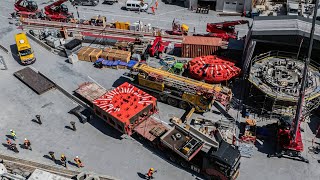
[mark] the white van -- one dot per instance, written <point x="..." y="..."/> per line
<point x="136" y="6"/>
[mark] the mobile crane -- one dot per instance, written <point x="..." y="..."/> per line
<point x="58" y="11"/>
<point x="289" y="131"/>
<point x="224" y="30"/>
<point x="179" y="91"/>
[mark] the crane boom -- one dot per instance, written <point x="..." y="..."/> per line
<point x="304" y="77"/>
<point x="186" y="85"/>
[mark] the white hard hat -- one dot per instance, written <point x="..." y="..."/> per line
<point x="25" y="139"/>
<point x="10" y="129"/>
<point x="77" y="156"/>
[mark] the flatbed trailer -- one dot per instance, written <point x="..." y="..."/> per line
<point x="180" y="145"/>
<point x="187" y="149"/>
<point x="36" y="81"/>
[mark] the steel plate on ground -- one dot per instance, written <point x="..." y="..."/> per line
<point x="34" y="80"/>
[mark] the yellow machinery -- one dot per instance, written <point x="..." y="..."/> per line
<point x="98" y="21"/>
<point x="180" y="91"/>
<point x="184" y="28"/>
<point x="122" y="25"/>
<point x="25" y="51"/>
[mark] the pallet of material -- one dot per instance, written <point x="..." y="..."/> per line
<point x="86" y="55"/>
<point x="115" y="64"/>
<point x="94" y="56"/>
<point x="81" y="52"/>
<point x="34" y="80"/>
<point x="122" y="65"/>
<point x="104" y="55"/>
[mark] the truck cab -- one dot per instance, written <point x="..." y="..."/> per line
<point x="25" y="51"/>
<point x="222" y="163"/>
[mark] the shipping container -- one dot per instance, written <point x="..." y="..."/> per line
<point x="195" y="46"/>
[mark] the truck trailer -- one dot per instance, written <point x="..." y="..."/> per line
<point x="131" y="111"/>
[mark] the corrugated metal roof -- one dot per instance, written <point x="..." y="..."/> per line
<point x="284" y="25"/>
<point x="210" y="41"/>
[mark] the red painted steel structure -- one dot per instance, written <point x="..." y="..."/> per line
<point x="224" y="27"/>
<point x="57" y="11"/>
<point x="157" y="47"/>
<point x="125" y="107"/>
<point x="26" y="8"/>
<point x="212" y="69"/>
<point x="224" y="30"/>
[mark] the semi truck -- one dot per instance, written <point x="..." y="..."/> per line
<point x="177" y="90"/>
<point x="131" y="111"/>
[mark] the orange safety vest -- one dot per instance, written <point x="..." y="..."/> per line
<point x="78" y="161"/>
<point x="150" y="172"/>
<point x="27" y="142"/>
<point x="8" y="142"/>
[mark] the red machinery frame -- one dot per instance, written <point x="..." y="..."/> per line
<point x="54" y="11"/>
<point x="157" y="47"/>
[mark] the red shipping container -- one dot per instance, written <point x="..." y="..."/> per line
<point x="195" y="46"/>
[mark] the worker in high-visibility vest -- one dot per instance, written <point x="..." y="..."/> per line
<point x="153" y="11"/>
<point x="150" y="173"/>
<point x="13" y="134"/>
<point x="27" y="144"/>
<point x="8" y="142"/>
<point x="63" y="160"/>
<point x="157" y="4"/>
<point x="78" y="162"/>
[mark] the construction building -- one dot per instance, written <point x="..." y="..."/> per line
<point x="289" y="36"/>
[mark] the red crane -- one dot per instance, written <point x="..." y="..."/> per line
<point x="27" y="8"/>
<point x="289" y="131"/>
<point x="224" y="30"/>
<point x="58" y="11"/>
<point x="157" y="47"/>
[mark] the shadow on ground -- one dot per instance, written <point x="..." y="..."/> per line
<point x="14" y="53"/>
<point x="120" y="81"/>
<point x="314" y="124"/>
<point x="106" y="129"/>
<point x="142" y="176"/>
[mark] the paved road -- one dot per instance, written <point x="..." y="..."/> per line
<point x="101" y="148"/>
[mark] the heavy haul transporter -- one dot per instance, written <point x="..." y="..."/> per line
<point x="130" y="111"/>
<point x="177" y="90"/>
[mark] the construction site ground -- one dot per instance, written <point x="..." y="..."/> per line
<point x="102" y="149"/>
